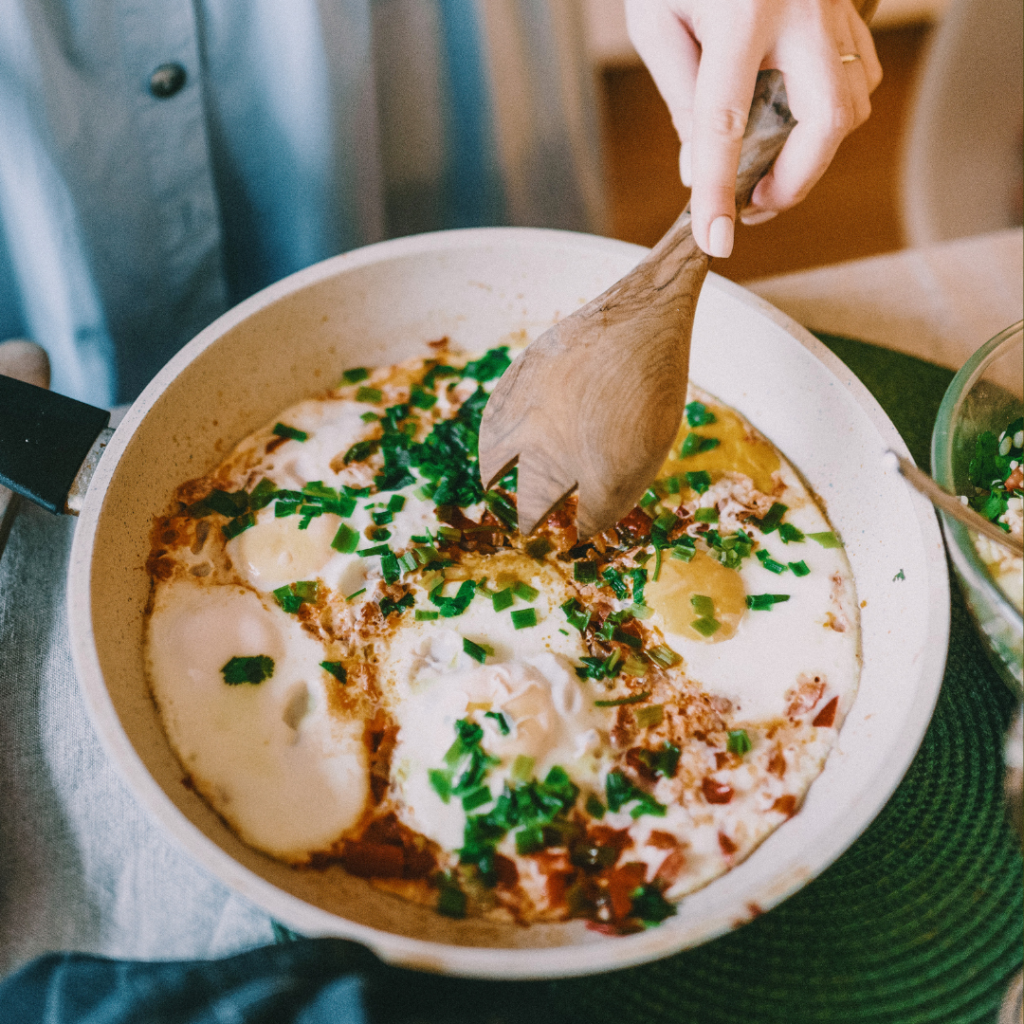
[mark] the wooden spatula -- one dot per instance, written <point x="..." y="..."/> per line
<point x="595" y="402"/>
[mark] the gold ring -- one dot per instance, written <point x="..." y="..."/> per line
<point x="849" y="58"/>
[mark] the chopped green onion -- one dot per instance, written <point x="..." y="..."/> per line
<point x="377" y="549"/>
<point x="698" y="414"/>
<point x="356" y="492"/>
<point x="788" y="533"/>
<point x="355" y="375"/>
<point x="355" y="593"/>
<point x="636" y="698"/>
<point x="396" y="502"/>
<point x="236" y="526"/>
<point x="365" y="394"/>
<point x="262" y="494"/>
<point x="420" y="398"/>
<point x="291" y="433"/>
<point x="388" y="605"/>
<point x="408" y="562"/>
<point x="769" y="563"/>
<point x="827" y="539"/>
<point x="616" y="582"/>
<point x="799" y="568"/>
<point x="706" y="515"/>
<point x="248" y="670"/>
<point x="594" y="807"/>
<point x="772" y="518"/>
<point x="585" y="572"/>
<point x="664" y="656"/>
<point x="578" y="618"/>
<point x="704" y="606"/>
<point x="502" y="508"/>
<point x="634" y="666"/>
<point x="640" y="611"/>
<point x="501" y="721"/>
<point x="476" y="799"/>
<point x="451" y="900"/>
<point x="706" y="627"/>
<point x="653" y="714"/>
<point x="538" y="547"/>
<point x="423" y="615"/>
<point x="648" y="903"/>
<point x="449" y="533"/>
<point x="369" y="417"/>
<point x="337" y="669"/>
<point x="475" y="651"/>
<point x="361" y="450"/>
<point x="283" y="509"/>
<point x="671" y="484"/>
<point x="383" y="517"/>
<point x="699" y="481"/>
<point x="346" y="540"/>
<point x="764" y="602"/>
<point x="502" y="599"/>
<point x="649" y="498"/>
<point x="441" y="781"/>
<point x="524" y="591"/>
<point x="389" y="567"/>
<point x="695" y="444"/>
<point x="523" y="618"/>
<point x="739" y="742"/>
<point x="522" y="768"/>
<point x="684" y="552"/>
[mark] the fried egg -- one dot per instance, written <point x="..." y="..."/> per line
<point x="356" y="656"/>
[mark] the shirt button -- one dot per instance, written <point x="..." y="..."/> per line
<point x="166" y="80"/>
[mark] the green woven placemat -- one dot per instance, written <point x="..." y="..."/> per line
<point x="919" y="922"/>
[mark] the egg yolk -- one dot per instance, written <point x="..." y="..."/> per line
<point x="737" y="451"/>
<point x="669" y="595"/>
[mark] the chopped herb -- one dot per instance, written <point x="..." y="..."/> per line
<point x="731" y="549"/>
<point x="827" y="539"/>
<point x="377" y="549"/>
<point x="356" y="492"/>
<point x="293" y="596"/>
<point x="634" y="666"/>
<point x="699" y="481"/>
<point x="585" y="572"/>
<point x="236" y="526"/>
<point x="383" y="517"/>
<point x="500" y="720"/>
<point x="684" y="549"/>
<point x="451" y="900"/>
<point x="619" y="792"/>
<point x="616" y="582"/>
<point x="650" y="497"/>
<point x="441" y="782"/>
<point x="337" y="669"/>
<point x="639" y="578"/>
<point x="420" y="398"/>
<point x="227" y="504"/>
<point x="636" y="698"/>
<point x="706" y="627"/>
<point x="361" y="450"/>
<point x="524" y="591"/>
<point x="538" y="547"/>
<point x="479" y="797"/>
<point x="594" y="807"/>
<point x="388" y="605"/>
<point x="664" y="761"/>
<point x="653" y="714"/>
<point x="695" y="444"/>
<point x="771" y="520"/>
<point x="706" y="515"/>
<point x="769" y="563"/>
<point x="430" y="378"/>
<point x="502" y="599"/>
<point x="346" y="540"/>
<point x="704" y="606"/>
<point x="522" y="768"/>
<point x="698" y="414"/>
<point x="764" y="602"/>
<point x="788" y="533"/>
<point x="367" y="394"/>
<point x="664" y="656"/>
<point x="600" y="668"/>
<point x="578" y="618"/>
<point x="523" y="618"/>
<point x="355" y="375"/>
<point x="248" y="670"/>
<point x="800" y="568"/>
<point x="640" y="611"/>
<point x="489" y="366"/>
<point x="291" y="433"/>
<point x="502" y="508"/>
<point x="649" y="904"/>
<point x="425" y="616"/>
<point x="282" y="509"/>
<point x="739" y="742"/>
<point x="475" y="651"/>
<point x="262" y="495"/>
<point x="671" y="484"/>
<point x="450" y="607"/>
<point x="369" y="417"/>
<point x="355" y="593"/>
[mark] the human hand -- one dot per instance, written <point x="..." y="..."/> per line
<point x="704" y="56"/>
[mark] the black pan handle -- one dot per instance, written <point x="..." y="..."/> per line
<point x="44" y="439"/>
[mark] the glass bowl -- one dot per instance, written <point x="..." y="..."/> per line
<point x="985" y="395"/>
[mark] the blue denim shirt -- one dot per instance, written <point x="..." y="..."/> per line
<point x="132" y="216"/>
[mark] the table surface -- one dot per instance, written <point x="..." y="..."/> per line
<point x="82" y="868"/>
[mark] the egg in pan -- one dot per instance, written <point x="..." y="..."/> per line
<point x="358" y="658"/>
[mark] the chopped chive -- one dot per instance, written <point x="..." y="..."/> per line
<point x="236" y="526"/>
<point x="355" y="375"/>
<point x="502" y="508"/>
<point x="649" y="498"/>
<point x="772" y="518"/>
<point x="683" y="551"/>
<point x="285" y="508"/>
<point x="799" y="568"/>
<point x="666" y="521"/>
<point x="449" y="533"/>
<point x="355" y="593"/>
<point x="383" y="517"/>
<point x="699" y="481"/>
<point x="361" y="450"/>
<point x="365" y="394"/>
<point x="356" y="492"/>
<point x="523" y="618"/>
<point x="291" y="433"/>
<point x="262" y="494"/>
<point x="525" y="591"/>
<point x="475" y="651"/>
<point x="788" y="533"/>
<point x="769" y="563"/>
<point x="476" y="799"/>
<point x="671" y="484"/>
<point x="664" y="656"/>
<point x="369" y="417"/>
<point x="827" y="539"/>
<point x="441" y="782"/>
<point x="426" y="616"/>
<point x="585" y="572"/>
<point x="594" y="807"/>
<point x="634" y="666"/>
<point x="500" y="720"/>
<point x="636" y="698"/>
<point x="248" y="670"/>
<point x="451" y="900"/>
<point x="706" y="627"/>
<point x="695" y="444"/>
<point x="396" y="502"/>
<point x="502" y="599"/>
<point x="640" y="611"/>
<point x="337" y="669"/>
<point x="377" y="549"/>
<point x="538" y="547"/>
<point x="706" y="515"/>
<point x="704" y="606"/>
<point x="653" y="714"/>
<point x="522" y="768"/>
<point x="739" y="742"/>
<point x="578" y="618"/>
<point x="408" y="562"/>
<point x="346" y="540"/>
<point x="389" y="567"/>
<point x="420" y="398"/>
<point x="698" y="414"/>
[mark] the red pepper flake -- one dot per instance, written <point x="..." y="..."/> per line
<point x="716" y="792"/>
<point x="827" y="715"/>
<point x="621" y="883"/>
<point x="726" y="845"/>
<point x="785" y="805"/>
<point x="373" y="860"/>
<point x="662" y="840"/>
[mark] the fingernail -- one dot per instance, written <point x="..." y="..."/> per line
<point x="720" y="237"/>
<point x="685" y="165"/>
<point x="757" y="217"/>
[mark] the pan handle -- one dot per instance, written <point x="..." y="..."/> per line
<point x="44" y="440"/>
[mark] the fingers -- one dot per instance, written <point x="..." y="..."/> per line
<point x="864" y="44"/>
<point x="728" y="70"/>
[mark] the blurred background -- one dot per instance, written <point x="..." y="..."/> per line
<point x="939" y="158"/>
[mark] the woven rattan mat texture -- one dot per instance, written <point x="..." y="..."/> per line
<point x="919" y="922"/>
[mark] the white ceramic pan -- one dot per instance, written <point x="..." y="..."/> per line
<point x="482" y="287"/>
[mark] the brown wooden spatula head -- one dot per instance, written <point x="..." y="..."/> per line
<point x="595" y="402"/>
